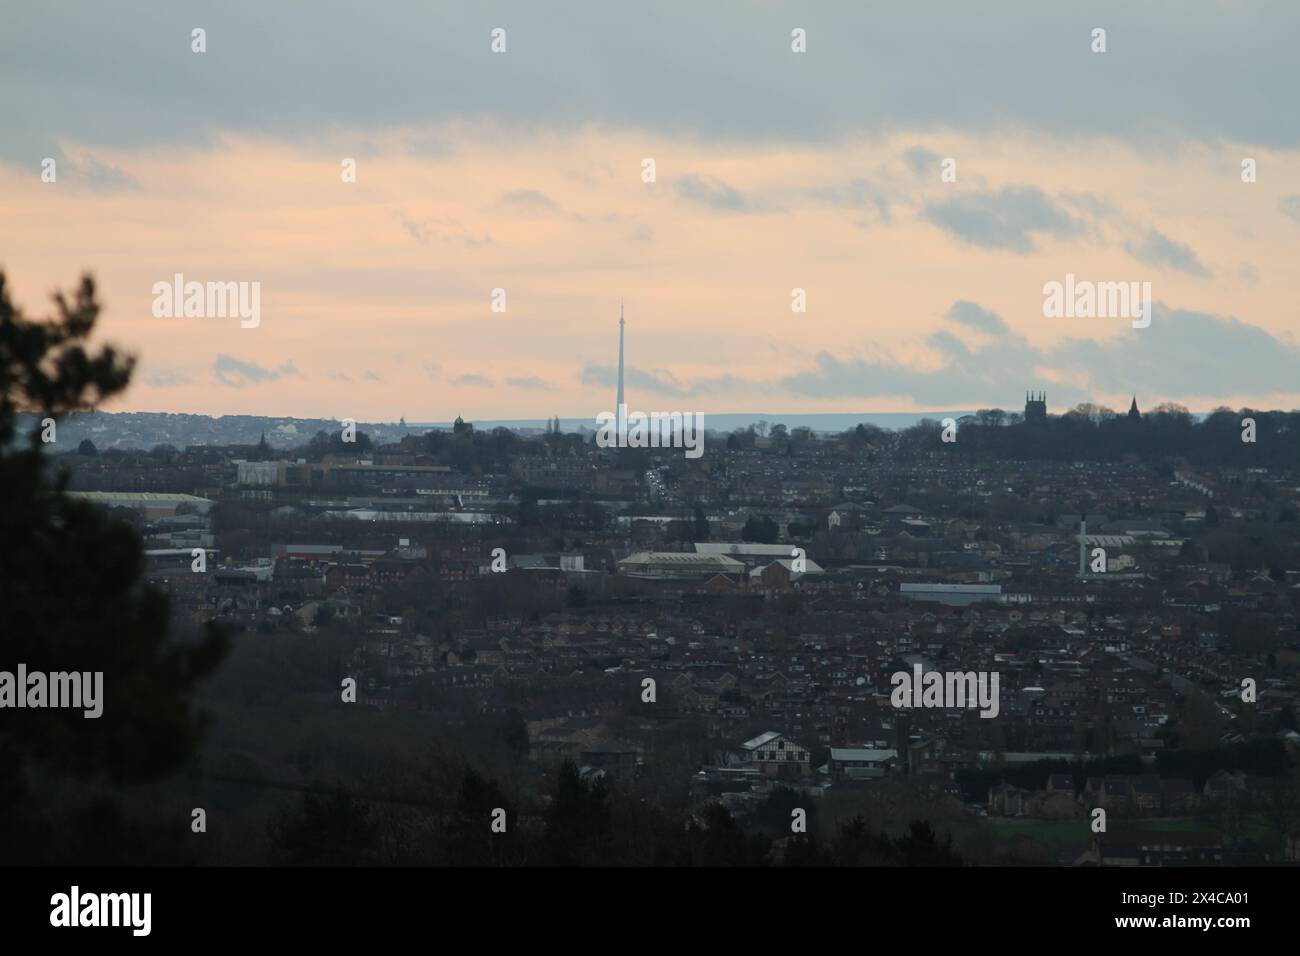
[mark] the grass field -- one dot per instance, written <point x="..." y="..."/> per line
<point x="1074" y="835"/>
<point x="1059" y="835"/>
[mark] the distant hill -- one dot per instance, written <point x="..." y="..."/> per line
<point x="145" y="430"/>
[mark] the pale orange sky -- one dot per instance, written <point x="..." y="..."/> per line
<point x="375" y="296"/>
<point x="393" y="275"/>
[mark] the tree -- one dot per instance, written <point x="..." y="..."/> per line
<point x="921" y="848"/>
<point x="701" y="524"/>
<point x="760" y="530"/>
<point x="331" y="443"/>
<point x="1200" y="722"/>
<point x="528" y="513"/>
<point x="72" y="588"/>
<point x="721" y="842"/>
<point x="331" y="828"/>
<point x="514" y="734"/>
<point x="471" y="840"/>
<point x="87" y="448"/>
<point x="578" y="821"/>
<point x="775" y="812"/>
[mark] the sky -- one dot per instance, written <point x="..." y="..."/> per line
<point x="774" y="171"/>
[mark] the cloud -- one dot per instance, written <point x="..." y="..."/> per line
<point x="530" y="382"/>
<point x="424" y="229"/>
<point x="530" y="199"/>
<point x="922" y="162"/>
<point x="861" y="194"/>
<point x="1157" y="249"/>
<point x="982" y="320"/>
<point x="428" y="146"/>
<point x="235" y="373"/>
<point x="1093" y="205"/>
<point x="340" y="377"/>
<point x="660" y="382"/>
<point x="1183" y="354"/>
<point x="167" y="378"/>
<point x="417" y="229"/>
<point x="372" y="376"/>
<point x="103" y="177"/>
<point x="869" y="70"/>
<point x="1290" y="206"/>
<point x="472" y="380"/>
<point x="713" y="192"/>
<point x="1005" y="219"/>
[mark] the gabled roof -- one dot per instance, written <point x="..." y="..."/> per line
<point x="760" y="740"/>
<point x="862" y="754"/>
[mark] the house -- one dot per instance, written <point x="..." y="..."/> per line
<point x="1129" y="846"/>
<point x="670" y="565"/>
<point x="1220" y="787"/>
<point x="615" y="761"/>
<point x="1116" y="791"/>
<point x="1146" y="793"/>
<point x="1055" y="804"/>
<point x="775" y="755"/>
<point x="1008" y="801"/>
<point x="853" y="763"/>
<point x="781" y="574"/>
<point x="1180" y="796"/>
<point x="1060" y="783"/>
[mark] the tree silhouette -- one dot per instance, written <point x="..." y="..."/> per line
<point x="72" y="590"/>
<point x="330" y="828"/>
<point x="701" y="524"/>
<point x="578" y="822"/>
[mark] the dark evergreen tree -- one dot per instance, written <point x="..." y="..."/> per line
<point x="72" y="597"/>
<point x="330" y="828"/>
<point x="701" y="524"/>
<point x="578" y="822"/>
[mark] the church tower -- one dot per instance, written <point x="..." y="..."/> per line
<point x="1133" y="412"/>
<point x="1035" y="407"/>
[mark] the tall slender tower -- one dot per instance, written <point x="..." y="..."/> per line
<point x="618" y="408"/>
<point x="1083" y="545"/>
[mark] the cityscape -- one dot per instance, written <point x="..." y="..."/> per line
<point x="442" y="443"/>
<point x="723" y="634"/>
